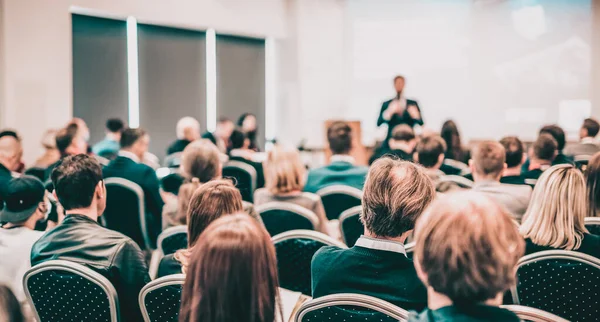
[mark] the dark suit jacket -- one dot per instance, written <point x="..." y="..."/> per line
<point x="5" y="177"/>
<point x="400" y="154"/>
<point x="177" y="146"/>
<point x="145" y="177"/>
<point x="342" y="173"/>
<point x="210" y="136"/>
<point x="260" y="175"/>
<point x="396" y="119"/>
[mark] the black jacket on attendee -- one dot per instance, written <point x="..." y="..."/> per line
<point x="82" y="240"/>
<point x="400" y="154"/>
<point x="168" y="266"/>
<point x="396" y="119"/>
<point x="469" y="313"/>
<point x="177" y="146"/>
<point x="590" y="244"/>
<point x="210" y="136"/>
<point x="560" y="159"/>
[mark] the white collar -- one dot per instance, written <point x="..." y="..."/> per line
<point x="342" y="158"/>
<point x="129" y="155"/>
<point x="588" y="140"/>
<point x="381" y="244"/>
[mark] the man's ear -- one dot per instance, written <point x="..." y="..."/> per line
<point x="505" y="166"/>
<point x="100" y="190"/>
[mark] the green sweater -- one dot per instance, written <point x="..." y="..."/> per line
<point x="387" y="275"/>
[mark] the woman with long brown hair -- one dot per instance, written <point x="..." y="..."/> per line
<point x="592" y="177"/>
<point x="232" y="275"/>
<point x="454" y="148"/>
<point x="209" y="202"/>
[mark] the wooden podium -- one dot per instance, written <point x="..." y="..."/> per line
<point x="359" y="152"/>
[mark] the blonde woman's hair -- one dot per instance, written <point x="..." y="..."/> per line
<point x="558" y="206"/>
<point x="284" y="171"/>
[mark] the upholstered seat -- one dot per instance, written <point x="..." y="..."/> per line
<point x="339" y="198"/>
<point x="279" y="217"/>
<point x="245" y="176"/>
<point x="350" y="225"/>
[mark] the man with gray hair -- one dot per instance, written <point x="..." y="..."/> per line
<point x="188" y="130"/>
<point x="395" y="194"/>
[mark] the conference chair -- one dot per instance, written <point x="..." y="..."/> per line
<point x="279" y="217"/>
<point x="60" y="290"/>
<point x="245" y="178"/>
<point x="160" y="299"/>
<point x="453" y="167"/>
<point x="295" y="250"/>
<point x="350" y="225"/>
<point x="125" y="211"/>
<point x="349" y="307"/>
<point x="172" y="239"/>
<point x="593" y="225"/>
<point x="339" y="198"/>
<point x="173" y="160"/>
<point x="564" y="283"/>
<point x="581" y="161"/>
<point x="529" y="314"/>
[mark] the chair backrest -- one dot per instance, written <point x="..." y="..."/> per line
<point x="529" y="314"/>
<point x="173" y="160"/>
<point x="245" y="175"/>
<point x="160" y="299"/>
<point x="462" y="182"/>
<point x="37" y="172"/>
<point x="564" y="283"/>
<point x="60" y="290"/>
<point x="350" y="225"/>
<point x="349" y="307"/>
<point x="295" y="250"/>
<point x="125" y="211"/>
<point x="172" y="239"/>
<point x="339" y="198"/>
<point x="279" y="217"/>
<point x="593" y="225"/>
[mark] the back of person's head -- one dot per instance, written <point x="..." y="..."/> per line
<point x="184" y="196"/>
<point x="557" y="209"/>
<point x="545" y="148"/>
<point x="284" y="171"/>
<point x="238" y="139"/>
<point x="49" y="139"/>
<point x="200" y="159"/>
<point x="11" y="152"/>
<point x="488" y="160"/>
<point x="395" y="194"/>
<point x="514" y="151"/>
<point x="70" y="141"/>
<point x="451" y="137"/>
<point x="225" y="127"/>
<point x="590" y="128"/>
<point x="430" y="151"/>
<point x="77" y="180"/>
<point x="403" y="133"/>
<point x="467" y="248"/>
<point x="557" y="133"/>
<point x="115" y="125"/>
<point x="131" y="136"/>
<point x="339" y="136"/>
<point x="232" y="274"/>
<point x="10" y="308"/>
<point x="592" y="175"/>
<point x="188" y="128"/>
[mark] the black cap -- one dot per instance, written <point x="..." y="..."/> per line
<point x="21" y="198"/>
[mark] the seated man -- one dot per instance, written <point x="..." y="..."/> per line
<point x="487" y="165"/>
<point x="395" y="195"/>
<point x="24" y="206"/>
<point x="541" y="156"/>
<point x="188" y="130"/>
<point x="515" y="157"/>
<point x="70" y="140"/>
<point x="109" y="147"/>
<point x="467" y="249"/>
<point x="588" y="144"/>
<point x="11" y="152"/>
<point x="341" y="170"/>
<point x="240" y="151"/>
<point x="430" y="153"/>
<point x="79" y="238"/>
<point x="220" y="137"/>
<point x="127" y="165"/>
<point x="402" y="143"/>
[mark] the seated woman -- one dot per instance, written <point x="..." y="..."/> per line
<point x="467" y="249"/>
<point x="175" y="213"/>
<point x="285" y="176"/>
<point x="208" y="202"/>
<point x="232" y="275"/>
<point x="592" y="176"/>
<point x="555" y="217"/>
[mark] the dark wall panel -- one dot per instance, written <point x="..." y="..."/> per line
<point x="99" y="71"/>
<point x="241" y="79"/>
<point x="172" y="80"/>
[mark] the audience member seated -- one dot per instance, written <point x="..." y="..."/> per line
<point x="541" y="156"/>
<point x="24" y="206"/>
<point x="109" y="147"/>
<point x="454" y="148"/>
<point x="588" y="144"/>
<point x="51" y="153"/>
<point x="188" y="130"/>
<point x="208" y="203"/>
<point x="487" y="166"/>
<point x="220" y="137"/>
<point x="11" y="152"/>
<point x="467" y="249"/>
<point x="241" y="151"/>
<point x="232" y="274"/>
<point x="70" y="140"/>
<point x="341" y="170"/>
<point x="284" y="180"/>
<point x="248" y="124"/>
<point x="555" y="217"/>
<point x="592" y="175"/>
<point x="134" y="144"/>
<point x="402" y="144"/>
<point x="515" y="157"/>
<point x="10" y="308"/>
<point x="430" y="154"/>
<point x="79" y="238"/>
<point x="175" y="213"/>
<point x="395" y="195"/>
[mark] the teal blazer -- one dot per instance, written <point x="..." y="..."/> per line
<point x="337" y="173"/>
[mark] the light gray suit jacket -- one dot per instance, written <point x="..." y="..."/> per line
<point x="581" y="149"/>
<point x="514" y="198"/>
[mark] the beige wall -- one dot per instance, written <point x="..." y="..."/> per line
<point x="595" y="86"/>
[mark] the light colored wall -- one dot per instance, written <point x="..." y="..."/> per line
<point x="595" y="92"/>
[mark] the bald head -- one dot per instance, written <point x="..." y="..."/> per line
<point x="188" y="128"/>
<point x="10" y="152"/>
